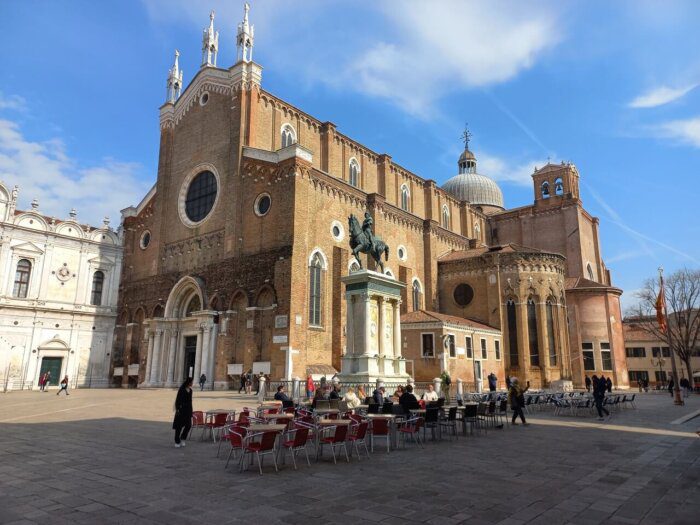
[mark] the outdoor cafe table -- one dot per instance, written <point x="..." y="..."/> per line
<point x="277" y="416"/>
<point x="325" y="423"/>
<point x="258" y="427"/>
<point x="392" y="426"/>
<point x="209" y="415"/>
<point x="326" y="412"/>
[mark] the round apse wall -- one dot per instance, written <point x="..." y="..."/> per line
<point x="463" y="294"/>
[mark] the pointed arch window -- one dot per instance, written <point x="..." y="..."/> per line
<point x="445" y="217"/>
<point x="405" y="198"/>
<point x="22" y="275"/>
<point x="289" y="136"/>
<point x="558" y="186"/>
<point x="98" y="281"/>
<point x="550" y="334"/>
<point x="477" y="231"/>
<point x="512" y="334"/>
<point x="589" y="270"/>
<point x="315" y="290"/>
<point x="195" y="305"/>
<point x="545" y="190"/>
<point x="532" y="333"/>
<point x="354" y="177"/>
<point x="416" y="295"/>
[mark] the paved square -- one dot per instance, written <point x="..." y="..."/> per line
<point x="107" y="456"/>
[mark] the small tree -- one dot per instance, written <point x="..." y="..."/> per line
<point x="682" y="291"/>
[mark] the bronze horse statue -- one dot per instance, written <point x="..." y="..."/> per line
<point x="360" y="243"/>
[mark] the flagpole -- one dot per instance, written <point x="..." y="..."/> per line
<point x="677" y="400"/>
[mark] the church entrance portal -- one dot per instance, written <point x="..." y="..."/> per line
<point x="53" y="365"/>
<point x="190" y="354"/>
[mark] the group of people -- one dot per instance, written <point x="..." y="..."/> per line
<point x="607" y="383"/>
<point x="248" y="380"/>
<point x="600" y="386"/>
<point x="45" y="381"/>
<point x="684" y="384"/>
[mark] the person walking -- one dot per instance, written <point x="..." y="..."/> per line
<point x="609" y="385"/>
<point x="493" y="381"/>
<point x="588" y="384"/>
<point x="599" y="388"/>
<point x="64" y="386"/>
<point x="507" y="382"/>
<point x="685" y="386"/>
<point x="516" y="396"/>
<point x="42" y="382"/>
<point x="202" y="380"/>
<point x="249" y="382"/>
<point x="242" y="383"/>
<point x="671" y="384"/>
<point x="182" y="422"/>
<point x="47" y="381"/>
<point x="310" y="387"/>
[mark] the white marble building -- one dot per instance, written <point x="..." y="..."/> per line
<point x="58" y="296"/>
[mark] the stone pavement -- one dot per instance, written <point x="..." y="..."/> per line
<point x="106" y="456"/>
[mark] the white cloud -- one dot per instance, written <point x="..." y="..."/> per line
<point x="686" y="131"/>
<point x="12" y="102"/>
<point x="43" y="170"/>
<point x="502" y="171"/>
<point x="660" y="96"/>
<point x="411" y="53"/>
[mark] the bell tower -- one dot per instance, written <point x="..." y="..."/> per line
<point x="210" y="43"/>
<point x="555" y="182"/>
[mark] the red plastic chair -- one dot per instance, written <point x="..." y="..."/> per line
<point x="356" y="419"/>
<point x="235" y="434"/>
<point x="380" y="428"/>
<point x="338" y="439"/>
<point x="422" y="403"/>
<point x="244" y="418"/>
<point x="198" y="422"/>
<point x="266" y="446"/>
<point x="412" y="428"/>
<point x="301" y="438"/>
<point x="357" y="438"/>
<point x="271" y="411"/>
<point x="216" y="425"/>
<point x="289" y="410"/>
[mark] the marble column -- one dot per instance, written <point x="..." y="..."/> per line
<point x="149" y="358"/>
<point x="173" y="357"/>
<point x="155" y="365"/>
<point x="198" y="355"/>
<point x="213" y="335"/>
<point x="397" y="328"/>
<point x="368" y="324"/>
<point x="350" y="327"/>
<point x="381" y="347"/>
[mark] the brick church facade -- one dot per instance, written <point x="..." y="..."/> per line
<point x="233" y="260"/>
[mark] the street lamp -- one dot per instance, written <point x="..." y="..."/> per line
<point x="660" y="361"/>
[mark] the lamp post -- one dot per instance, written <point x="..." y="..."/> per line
<point x="660" y="361"/>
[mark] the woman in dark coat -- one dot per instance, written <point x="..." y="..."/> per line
<point x="183" y="413"/>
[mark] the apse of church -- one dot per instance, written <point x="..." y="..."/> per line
<point x="234" y="259"/>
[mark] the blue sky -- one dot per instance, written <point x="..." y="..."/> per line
<point x="612" y="87"/>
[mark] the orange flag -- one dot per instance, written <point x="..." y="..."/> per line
<point x="660" y="307"/>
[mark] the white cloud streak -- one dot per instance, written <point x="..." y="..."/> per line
<point x="660" y="96"/>
<point x="685" y="131"/>
<point x="14" y="102"/>
<point x="43" y="170"/>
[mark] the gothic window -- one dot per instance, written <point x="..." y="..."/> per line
<point x="484" y="350"/>
<point x="512" y="334"/>
<point x="532" y="333"/>
<point x="315" y="275"/>
<point x="416" y="295"/>
<point x="201" y="196"/>
<point x="24" y="271"/>
<point x="470" y="349"/>
<point x="477" y="231"/>
<point x="194" y="305"/>
<point x="445" y="217"/>
<point x="589" y="269"/>
<point x="405" y="196"/>
<point x="289" y="137"/>
<point x="450" y="343"/>
<point x="354" y="178"/>
<point x="558" y="186"/>
<point x="550" y="335"/>
<point x="497" y="349"/>
<point x="545" y="190"/>
<point x="428" y="345"/>
<point x="98" y="281"/>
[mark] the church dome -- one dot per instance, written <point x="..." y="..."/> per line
<point x="476" y="189"/>
<point x="469" y="186"/>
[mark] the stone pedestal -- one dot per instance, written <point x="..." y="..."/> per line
<point x="373" y="329"/>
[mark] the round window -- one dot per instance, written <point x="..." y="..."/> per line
<point x="204" y="99"/>
<point x="402" y="254"/>
<point x="262" y="204"/>
<point x="463" y="294"/>
<point x="337" y="231"/>
<point x="145" y="239"/>
<point x="201" y="196"/>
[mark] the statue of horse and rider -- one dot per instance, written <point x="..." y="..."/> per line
<point x="362" y="240"/>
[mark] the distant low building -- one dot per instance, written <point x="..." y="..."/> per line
<point x="58" y="294"/>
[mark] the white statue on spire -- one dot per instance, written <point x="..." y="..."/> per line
<point x="210" y="43"/>
<point x="245" y="37"/>
<point x="174" y="85"/>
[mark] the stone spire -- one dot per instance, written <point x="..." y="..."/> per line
<point x="174" y="81"/>
<point x="244" y="38"/>
<point x="210" y="43"/>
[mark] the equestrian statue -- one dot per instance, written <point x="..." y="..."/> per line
<point x="362" y="240"/>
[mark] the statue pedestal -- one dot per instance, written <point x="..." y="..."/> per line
<point x="373" y="329"/>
